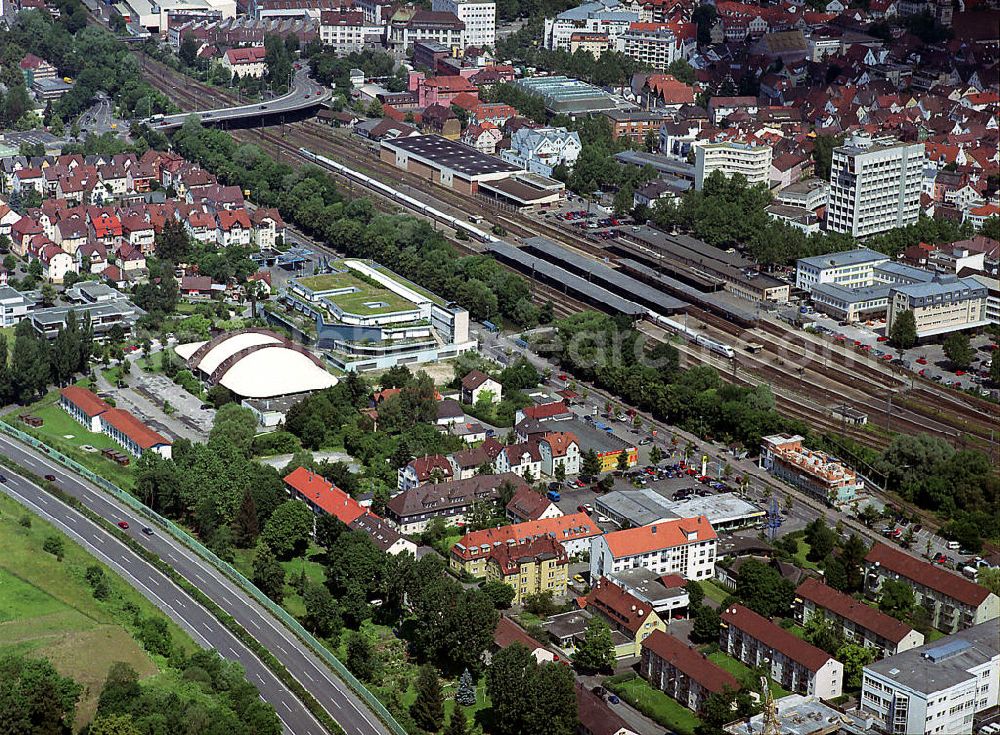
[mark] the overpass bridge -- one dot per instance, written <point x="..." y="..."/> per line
<point x="300" y="102"/>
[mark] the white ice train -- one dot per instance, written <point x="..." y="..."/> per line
<point x="410" y="202"/>
<point x="694" y="336"/>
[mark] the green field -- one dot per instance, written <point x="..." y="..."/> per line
<point x="365" y="299"/>
<point x="713" y="591"/>
<point x="743" y="674"/>
<point x="47" y="609"/>
<point x="655" y="704"/>
<point x="63" y="432"/>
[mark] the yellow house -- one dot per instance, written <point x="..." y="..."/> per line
<point x="625" y="613"/>
<point x="538" y="565"/>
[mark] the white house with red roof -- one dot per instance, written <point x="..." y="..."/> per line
<point x="139" y="233"/>
<point x="686" y="546"/>
<point x="522" y="459"/>
<point x="8" y="217"/>
<point x="97" y="256"/>
<point x="267" y="227"/>
<point x="483" y="136"/>
<point x="84" y="406"/>
<point x="56" y="263"/>
<point x="131" y="260"/>
<point x="232" y="229"/>
<point x="99" y="416"/>
<point x="423" y="470"/>
<point x="530" y="505"/>
<point x="560" y="448"/>
<point x="322" y="496"/>
<point x="246" y="62"/>
<point x="29" y="179"/>
<point x="478" y="383"/>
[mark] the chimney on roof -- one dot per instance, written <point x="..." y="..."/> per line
<point x="653" y="529"/>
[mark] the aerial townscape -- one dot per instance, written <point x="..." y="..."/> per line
<point x="499" y="367"/>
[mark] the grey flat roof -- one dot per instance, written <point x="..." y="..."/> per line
<point x="851" y="295"/>
<point x="591" y="437"/>
<point x="644" y="293"/>
<point x="58" y="314"/>
<point x="647" y="505"/>
<point x="846" y="257"/>
<point x="917" y="670"/>
<point x="943" y="288"/>
<point x="645" y="585"/>
<point x="448" y="154"/>
<point x="572" y="283"/>
<point x="662" y="164"/>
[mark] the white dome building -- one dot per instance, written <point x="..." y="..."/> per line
<point x="256" y="363"/>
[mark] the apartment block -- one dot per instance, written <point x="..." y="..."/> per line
<point x="531" y="567"/>
<point x="732" y="157"/>
<point x="793" y="663"/>
<point x="953" y="602"/>
<point x="573" y="532"/>
<point x="480" y="19"/>
<point x="859" y="622"/>
<point x="875" y="185"/>
<point x="816" y="472"/>
<point x="936" y="688"/>
<point x="944" y="304"/>
<point x="686" y="546"/>
<point x="652" y="45"/>
<point x="682" y="672"/>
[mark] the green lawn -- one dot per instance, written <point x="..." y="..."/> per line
<point x="743" y="673"/>
<point x="797" y="630"/>
<point x="657" y="705"/>
<point x="293" y="602"/>
<point x="364" y="298"/>
<point x="47" y="609"/>
<point x="64" y="433"/>
<point x="713" y="591"/>
<point x="800" y="556"/>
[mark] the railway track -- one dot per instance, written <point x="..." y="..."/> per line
<point x="834" y="377"/>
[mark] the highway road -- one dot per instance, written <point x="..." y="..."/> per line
<point x="304" y="93"/>
<point x="315" y="676"/>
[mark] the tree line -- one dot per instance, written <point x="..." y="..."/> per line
<point x="32" y="363"/>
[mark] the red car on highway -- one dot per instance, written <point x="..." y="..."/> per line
<point x="123" y="525"/>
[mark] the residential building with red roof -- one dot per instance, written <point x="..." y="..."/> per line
<point x="559" y="449"/>
<point x="84" y="406"/>
<point x="232" y="228"/>
<point x="596" y="716"/>
<point x="534" y="566"/>
<point x="422" y="470"/>
<point x="954" y="603"/>
<point x="411" y="511"/>
<point x="530" y="505"/>
<point x="573" y="532"/>
<point x="135" y="436"/>
<point x="508" y="633"/>
<point x="524" y="459"/>
<point x="860" y="623"/>
<point x="268" y="227"/>
<point x="322" y="496"/>
<point x="792" y="663"/>
<point x="681" y="671"/>
<point x="476" y="383"/>
<point x="686" y="546"/>
<point x="246" y="62"/>
<point x="552" y="411"/>
<point x="625" y="613"/>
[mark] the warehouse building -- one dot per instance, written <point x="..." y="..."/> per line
<point x="565" y="96"/>
<point x="445" y="162"/>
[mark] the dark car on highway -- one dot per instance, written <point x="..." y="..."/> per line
<point x="50" y="478"/>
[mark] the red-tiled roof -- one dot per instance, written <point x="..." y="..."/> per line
<point x="847" y="607"/>
<point x="509" y="557"/>
<point x="562" y="529"/>
<point x="474" y="379"/>
<point x="528" y="504"/>
<point x="325" y="495"/>
<point x="508" y="632"/>
<point x="596" y="715"/>
<point x="617" y="605"/>
<point x="690" y="662"/>
<point x="775" y="637"/>
<point x="425" y="466"/>
<point x="249" y="55"/>
<point x="133" y="428"/>
<point x="667" y="534"/>
<point x="88" y="402"/>
<point x="545" y="410"/>
<point x="927" y="574"/>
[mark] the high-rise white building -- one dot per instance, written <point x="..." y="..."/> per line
<point x="732" y="157"/>
<point x="936" y="688"/>
<point x="480" y="19"/>
<point x="875" y="185"/>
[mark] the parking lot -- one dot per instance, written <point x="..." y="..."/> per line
<point x="926" y="360"/>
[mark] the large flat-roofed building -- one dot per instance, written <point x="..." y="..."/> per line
<point x="445" y="162"/>
<point x="682" y="672"/>
<point x="848" y="269"/>
<point x="480" y="19"/>
<point x="791" y="662"/>
<point x="816" y="472"/>
<point x="685" y="546"/>
<point x="875" y="186"/>
<point x="860" y="623"/>
<point x="104" y="315"/>
<point x="644" y="506"/>
<point x="954" y="603"/>
<point x="944" y="304"/>
<point x="565" y="96"/>
<point x="937" y="688"/>
<point x="367" y="317"/>
<point x="732" y="157"/>
<point x="870" y="300"/>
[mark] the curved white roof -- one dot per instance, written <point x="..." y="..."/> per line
<point x="275" y="371"/>
<point x="229" y="347"/>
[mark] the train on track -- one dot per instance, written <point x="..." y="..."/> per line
<point x="692" y="335"/>
<point x="455" y="222"/>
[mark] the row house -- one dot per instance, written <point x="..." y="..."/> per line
<point x="682" y="672"/>
<point x="952" y="602"/>
<point x="468" y="462"/>
<point x="233" y="229"/>
<point x="859" y="622"/>
<point x="411" y="511"/>
<point x="790" y="661"/>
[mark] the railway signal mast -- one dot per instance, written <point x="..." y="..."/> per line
<point x="773" y="519"/>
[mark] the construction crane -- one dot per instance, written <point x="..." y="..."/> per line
<point x="771" y="724"/>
